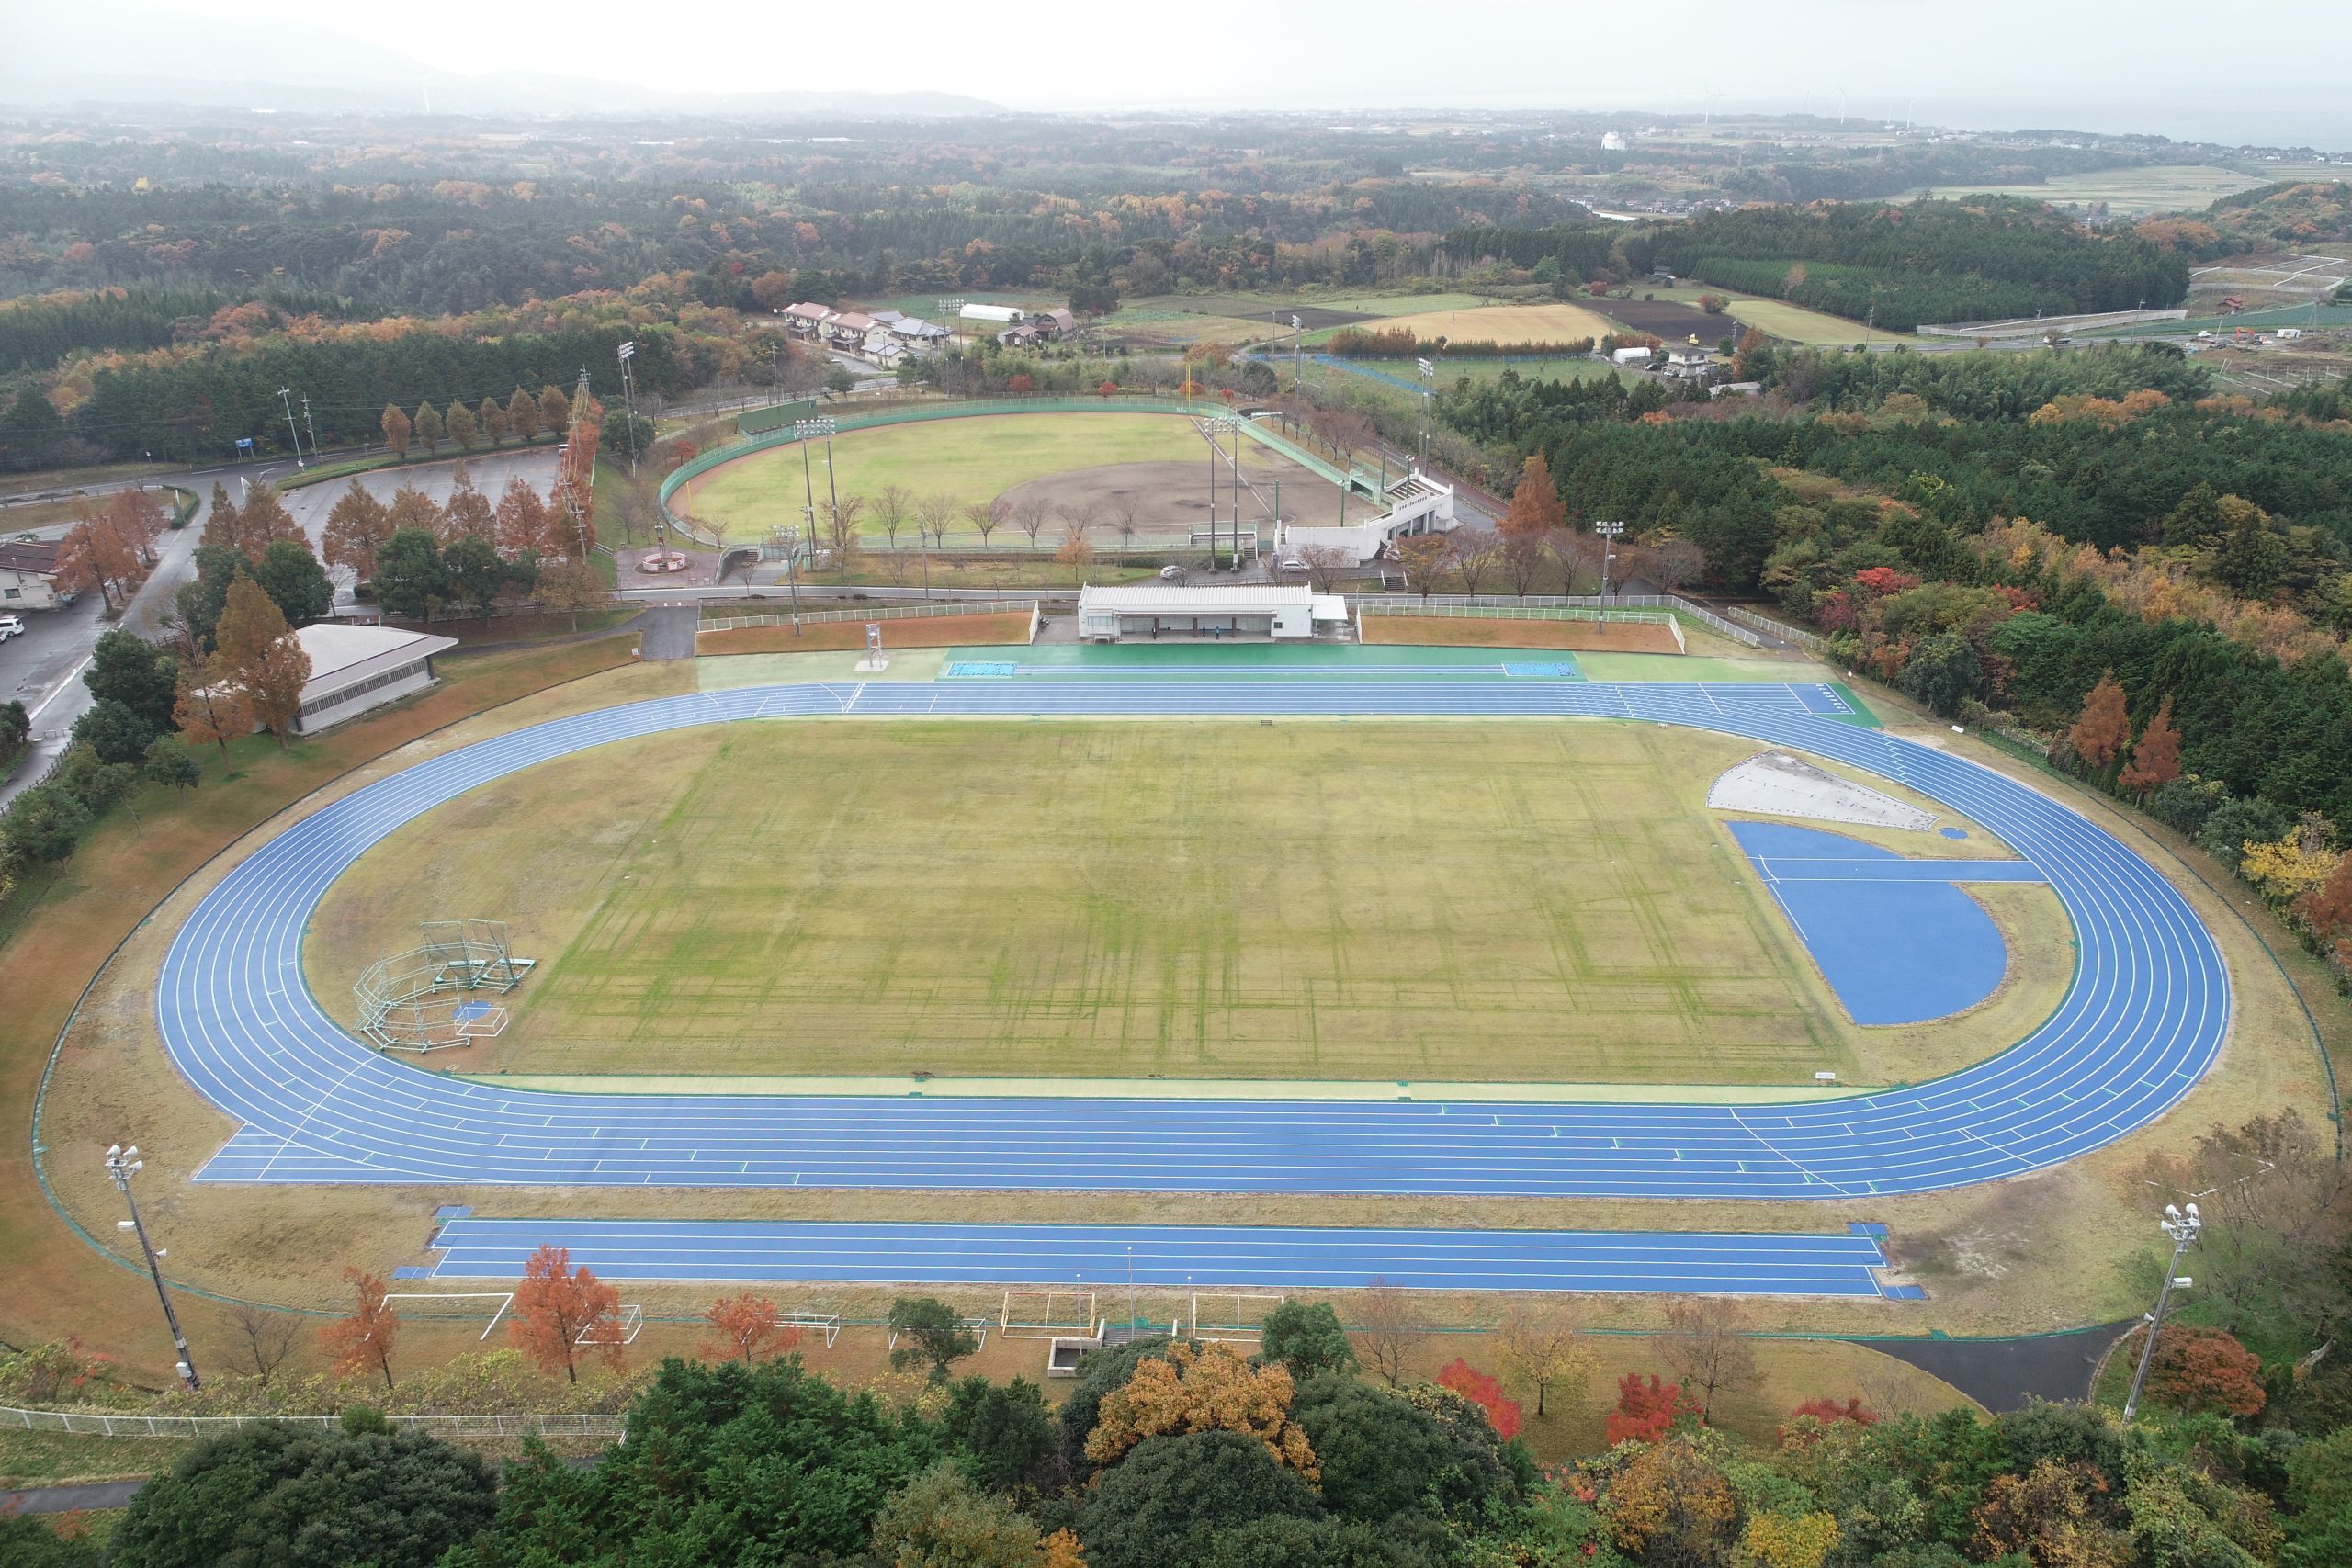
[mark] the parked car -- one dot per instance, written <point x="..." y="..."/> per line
<point x="1170" y="574"/>
<point x="1294" y="564"/>
<point x="11" y="626"/>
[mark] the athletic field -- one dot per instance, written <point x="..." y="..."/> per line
<point x="1474" y="900"/>
<point x="979" y="459"/>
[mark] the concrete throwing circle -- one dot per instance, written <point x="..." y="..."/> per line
<point x="2145" y="1017"/>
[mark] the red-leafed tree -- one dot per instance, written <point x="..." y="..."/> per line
<point x="561" y="1314"/>
<point x="2100" y="732"/>
<point x="1826" y="1412"/>
<point x="1484" y="1391"/>
<point x="2156" y="761"/>
<point x="2328" y="907"/>
<point x="2197" y="1370"/>
<point x="1648" y="1411"/>
<point x="748" y="1326"/>
<point x="362" y="1342"/>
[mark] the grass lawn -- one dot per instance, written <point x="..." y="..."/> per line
<point x="972" y="459"/>
<point x="1482" y="371"/>
<point x="1554" y="321"/>
<point x="1798" y="324"/>
<point x="2156" y="188"/>
<point x="1439" y="631"/>
<point x="1457" y="901"/>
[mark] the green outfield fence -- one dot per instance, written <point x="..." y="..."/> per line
<point x="927" y="610"/>
<point x="757" y="422"/>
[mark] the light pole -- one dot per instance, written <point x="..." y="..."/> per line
<point x="122" y="1164"/>
<point x="309" y="429"/>
<point x="1297" y="349"/>
<point x="1429" y="385"/>
<point x="286" y="396"/>
<point x="1224" y="424"/>
<point x="2183" y="1228"/>
<point x="628" y="352"/>
<point x="1608" y="532"/>
<point x="952" y="307"/>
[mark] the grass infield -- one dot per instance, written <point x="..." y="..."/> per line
<point x="1460" y="901"/>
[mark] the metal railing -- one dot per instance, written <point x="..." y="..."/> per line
<point x="1612" y="602"/>
<point x="925" y="610"/>
<point x="1514" y="612"/>
<point x="1810" y="641"/>
<point x="94" y="1424"/>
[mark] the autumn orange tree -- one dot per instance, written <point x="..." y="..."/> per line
<point x="522" y="521"/>
<point x="257" y="653"/>
<point x="397" y="431"/>
<point x="1672" y="1505"/>
<point x="1208" y="1388"/>
<point x="2197" y="1370"/>
<point x="357" y="525"/>
<point x="561" y="1313"/>
<point x="748" y="1326"/>
<point x="2050" y="1515"/>
<point x="95" y="555"/>
<point x="2100" y="732"/>
<point x="1535" y="508"/>
<point x="211" y="708"/>
<point x="523" y="416"/>
<point x="362" y="1342"/>
<point x="2156" y="761"/>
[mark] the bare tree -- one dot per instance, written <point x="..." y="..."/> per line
<point x="841" y="525"/>
<point x="1537" y="1346"/>
<point x="1325" y="562"/>
<point x="2270" y="1192"/>
<point x="1474" y="553"/>
<point x="1126" y="511"/>
<point x="1574" y="554"/>
<point x="1677" y="563"/>
<point x="987" y="517"/>
<point x="893" y="506"/>
<point x="1705" y="1346"/>
<point x="1385" y="1325"/>
<point x="1523" y="559"/>
<point x="1030" y="518"/>
<point x="260" y="1341"/>
<point x="936" y="511"/>
<point x="1075" y="518"/>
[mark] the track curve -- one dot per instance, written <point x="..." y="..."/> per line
<point x="2145" y="1016"/>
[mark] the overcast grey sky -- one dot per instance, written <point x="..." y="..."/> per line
<point x="2273" y="73"/>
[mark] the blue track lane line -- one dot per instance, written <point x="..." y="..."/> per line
<point x="2145" y="1017"/>
<point x="1210" y="1256"/>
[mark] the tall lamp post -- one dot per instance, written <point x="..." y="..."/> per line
<point x="1429" y="385"/>
<point x="286" y="396"/>
<point x="628" y="352"/>
<point x="122" y="1164"/>
<point x="2183" y="1228"/>
<point x="1223" y="424"/>
<point x="1608" y="532"/>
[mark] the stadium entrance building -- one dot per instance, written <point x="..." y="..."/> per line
<point x="1152" y="612"/>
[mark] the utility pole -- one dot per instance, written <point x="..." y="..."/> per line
<point x="309" y="429"/>
<point x="121" y="1166"/>
<point x="286" y="396"/>
<point x="2183" y="1228"/>
<point x="628" y="397"/>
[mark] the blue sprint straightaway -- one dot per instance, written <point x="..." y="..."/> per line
<point x="1272" y="1257"/>
<point x="2145" y="1017"/>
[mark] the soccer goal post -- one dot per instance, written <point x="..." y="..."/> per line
<point x="1046" y="1315"/>
<point x="1230" y="1314"/>
<point x="504" y="1299"/>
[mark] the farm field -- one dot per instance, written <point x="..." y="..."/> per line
<point x="1549" y="322"/>
<point x="1370" y="901"/>
<point x="2156" y="188"/>
<point x="1798" y="324"/>
<point x="974" y="459"/>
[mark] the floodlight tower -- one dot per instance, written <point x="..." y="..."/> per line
<point x="2183" y="1227"/>
<point x="1428" y="385"/>
<point x="122" y="1164"/>
<point x="628" y="352"/>
<point x="1609" y="533"/>
<point x="953" y="308"/>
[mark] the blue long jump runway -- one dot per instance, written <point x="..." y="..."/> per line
<point x="2146" y="1017"/>
<point x="1210" y="1256"/>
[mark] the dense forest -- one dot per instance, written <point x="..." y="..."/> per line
<point x="2284" y="215"/>
<point x="1928" y="260"/>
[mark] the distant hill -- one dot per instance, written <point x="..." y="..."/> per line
<point x="2284" y="215"/>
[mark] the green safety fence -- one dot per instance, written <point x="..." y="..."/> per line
<point x="775" y="417"/>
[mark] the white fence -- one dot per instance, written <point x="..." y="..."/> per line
<point x="1612" y="604"/>
<point x="1797" y="635"/>
<point x="1435" y="611"/>
<point x="923" y="611"/>
<point x="90" y="1423"/>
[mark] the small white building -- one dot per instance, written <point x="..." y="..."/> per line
<point x="355" y="668"/>
<point x="1153" y="612"/>
<point x="28" y="575"/>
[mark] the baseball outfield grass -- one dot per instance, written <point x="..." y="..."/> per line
<point x="1460" y="901"/>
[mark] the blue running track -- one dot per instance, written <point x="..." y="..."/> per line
<point x="2145" y="1017"/>
<point x="1211" y="1257"/>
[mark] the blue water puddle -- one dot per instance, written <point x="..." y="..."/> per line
<point x="1953" y="833"/>
<point x="1895" y="937"/>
